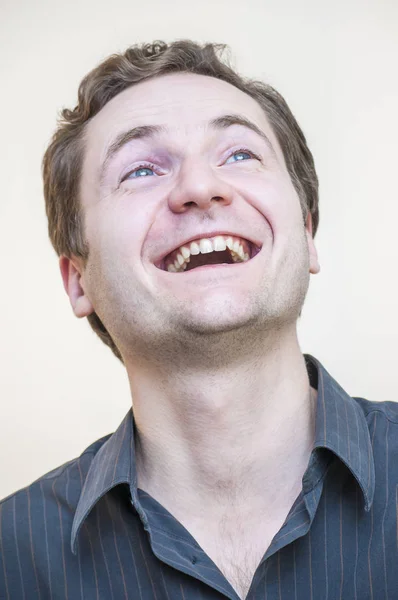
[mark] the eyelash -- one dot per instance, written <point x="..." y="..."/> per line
<point x="247" y="151"/>
<point x="153" y="167"/>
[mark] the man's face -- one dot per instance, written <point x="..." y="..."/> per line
<point x="192" y="179"/>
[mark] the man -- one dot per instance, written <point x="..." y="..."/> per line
<point x="183" y="203"/>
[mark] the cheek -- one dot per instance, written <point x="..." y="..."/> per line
<point x="117" y="233"/>
<point x="277" y="201"/>
<point x="288" y="212"/>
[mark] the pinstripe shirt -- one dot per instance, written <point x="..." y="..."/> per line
<point x="84" y="530"/>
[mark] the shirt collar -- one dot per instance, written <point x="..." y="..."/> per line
<point x="113" y="464"/>
<point x="340" y="426"/>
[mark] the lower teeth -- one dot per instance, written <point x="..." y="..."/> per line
<point x="235" y="258"/>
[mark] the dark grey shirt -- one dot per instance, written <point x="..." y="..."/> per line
<point x="84" y="531"/>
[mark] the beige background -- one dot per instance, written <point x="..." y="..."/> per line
<point x="336" y="65"/>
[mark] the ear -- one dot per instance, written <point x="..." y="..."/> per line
<point x="314" y="264"/>
<point x="72" y="272"/>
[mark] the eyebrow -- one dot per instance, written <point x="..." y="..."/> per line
<point x="150" y="131"/>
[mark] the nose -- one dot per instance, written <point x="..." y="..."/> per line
<point x="198" y="184"/>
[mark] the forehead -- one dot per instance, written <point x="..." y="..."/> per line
<point x="183" y="102"/>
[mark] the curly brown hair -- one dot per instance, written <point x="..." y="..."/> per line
<point x="63" y="159"/>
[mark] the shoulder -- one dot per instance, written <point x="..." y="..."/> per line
<point x="50" y="499"/>
<point x="57" y="478"/>
<point x="386" y="410"/>
<point x="382" y="421"/>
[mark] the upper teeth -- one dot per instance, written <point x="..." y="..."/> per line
<point x="178" y="260"/>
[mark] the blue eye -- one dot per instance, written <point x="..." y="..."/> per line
<point x="242" y="152"/>
<point x="146" y="170"/>
<point x="133" y="174"/>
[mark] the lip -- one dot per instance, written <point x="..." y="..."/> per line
<point x="255" y="244"/>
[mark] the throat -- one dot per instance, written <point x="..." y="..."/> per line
<point x="212" y="258"/>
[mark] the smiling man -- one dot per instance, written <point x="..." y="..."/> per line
<point x="182" y="202"/>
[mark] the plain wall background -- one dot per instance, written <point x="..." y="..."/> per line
<point x="336" y="65"/>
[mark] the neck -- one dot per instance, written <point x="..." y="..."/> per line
<point x="245" y="432"/>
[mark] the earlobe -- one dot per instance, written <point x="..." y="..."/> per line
<point x="313" y="254"/>
<point x="72" y="272"/>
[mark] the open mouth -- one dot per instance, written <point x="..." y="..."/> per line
<point x="220" y="250"/>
